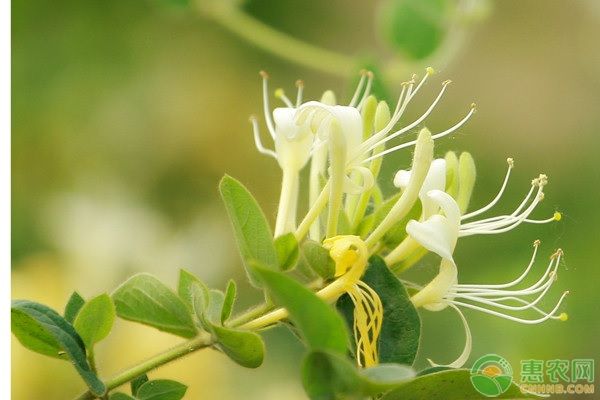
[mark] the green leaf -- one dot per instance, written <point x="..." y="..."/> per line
<point x="416" y="28"/>
<point x="321" y="326"/>
<point x="229" y="301"/>
<point x="186" y="279"/>
<point x="161" y="389"/>
<point x="447" y="385"/>
<point x="33" y="335"/>
<point x="95" y="320"/>
<point x="215" y="306"/>
<point x="318" y="259"/>
<point x="328" y="376"/>
<point x="287" y="251"/>
<point x="35" y="332"/>
<point x="384" y="377"/>
<point x="144" y="299"/>
<point x="73" y="306"/>
<point x="120" y="396"/>
<point x="400" y="332"/>
<point x="252" y="232"/>
<point x="244" y="347"/>
<point x="137" y="383"/>
<point x="332" y="376"/>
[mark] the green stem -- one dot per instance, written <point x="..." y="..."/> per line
<point x="201" y="341"/>
<point x="279" y="43"/>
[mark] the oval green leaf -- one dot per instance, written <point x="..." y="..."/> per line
<point x="144" y="299"/>
<point x="320" y="325"/>
<point x="244" y="347"/>
<point x="73" y="306"/>
<point x="161" y="389"/>
<point x="43" y="322"/>
<point x="95" y="319"/>
<point x="287" y="251"/>
<point x="401" y="329"/>
<point x="448" y="385"/>
<point x="252" y="232"/>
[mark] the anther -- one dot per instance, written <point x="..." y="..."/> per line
<point x="563" y="316"/>
<point x="264" y="74"/>
<point x="279" y="93"/>
<point x="536" y="243"/>
<point x="510" y="162"/>
<point x="299" y="83"/>
<point x="446" y="82"/>
<point x="430" y="70"/>
<point x="557" y="216"/>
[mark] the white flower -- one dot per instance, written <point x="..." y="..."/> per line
<point x="439" y="234"/>
<point x="431" y="201"/>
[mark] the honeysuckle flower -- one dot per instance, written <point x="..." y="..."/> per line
<point x="354" y="152"/>
<point x="461" y="227"/>
<point x="293" y="144"/>
<point x="351" y="254"/>
<point x="439" y="234"/>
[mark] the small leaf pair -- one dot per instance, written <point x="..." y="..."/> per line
<point x="159" y="389"/>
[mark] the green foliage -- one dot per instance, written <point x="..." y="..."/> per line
<point x="332" y="376"/>
<point x="43" y="330"/>
<point x="244" y="347"/>
<point x="161" y="389"/>
<point x="137" y="383"/>
<point x="398" y="232"/>
<point x="287" y="251"/>
<point x="95" y="320"/>
<point x="184" y="287"/>
<point x="252" y="231"/>
<point x="415" y="28"/>
<point x="229" y="301"/>
<point x="144" y="299"/>
<point x="320" y="326"/>
<point x="447" y="385"/>
<point x="318" y="259"/>
<point x="401" y="329"/>
<point x="73" y="306"/>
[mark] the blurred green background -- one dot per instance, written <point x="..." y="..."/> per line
<point x="126" y="114"/>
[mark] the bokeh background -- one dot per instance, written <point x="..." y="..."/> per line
<point x="125" y="115"/>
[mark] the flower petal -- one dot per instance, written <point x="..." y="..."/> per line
<point x="436" y="234"/>
<point x="464" y="356"/>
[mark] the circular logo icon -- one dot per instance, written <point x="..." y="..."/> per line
<point x="491" y="375"/>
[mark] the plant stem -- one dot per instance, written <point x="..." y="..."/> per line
<point x="279" y="43"/>
<point x="201" y="341"/>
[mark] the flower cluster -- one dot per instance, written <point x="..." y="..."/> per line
<point x="343" y="147"/>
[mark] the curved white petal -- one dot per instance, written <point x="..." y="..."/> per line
<point x="293" y="142"/>
<point x="464" y="356"/>
<point x="435" y="180"/>
<point x="447" y="204"/>
<point x="367" y="181"/>
<point x="436" y="234"/>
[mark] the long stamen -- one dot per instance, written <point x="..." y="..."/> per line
<point x="416" y="122"/>
<point x="300" y="86"/>
<point x="535" y="288"/>
<point x="500" y="217"/>
<point x="259" y="146"/>
<point x="367" y="90"/>
<point x="266" y="107"/>
<point x="536" y="245"/>
<point x="504" y="224"/>
<point x="515" y="319"/>
<point x="368" y="319"/>
<point x="498" y="300"/>
<point x="436" y="136"/>
<point x="280" y="94"/>
<point x="361" y="83"/>
<point x="498" y="196"/>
